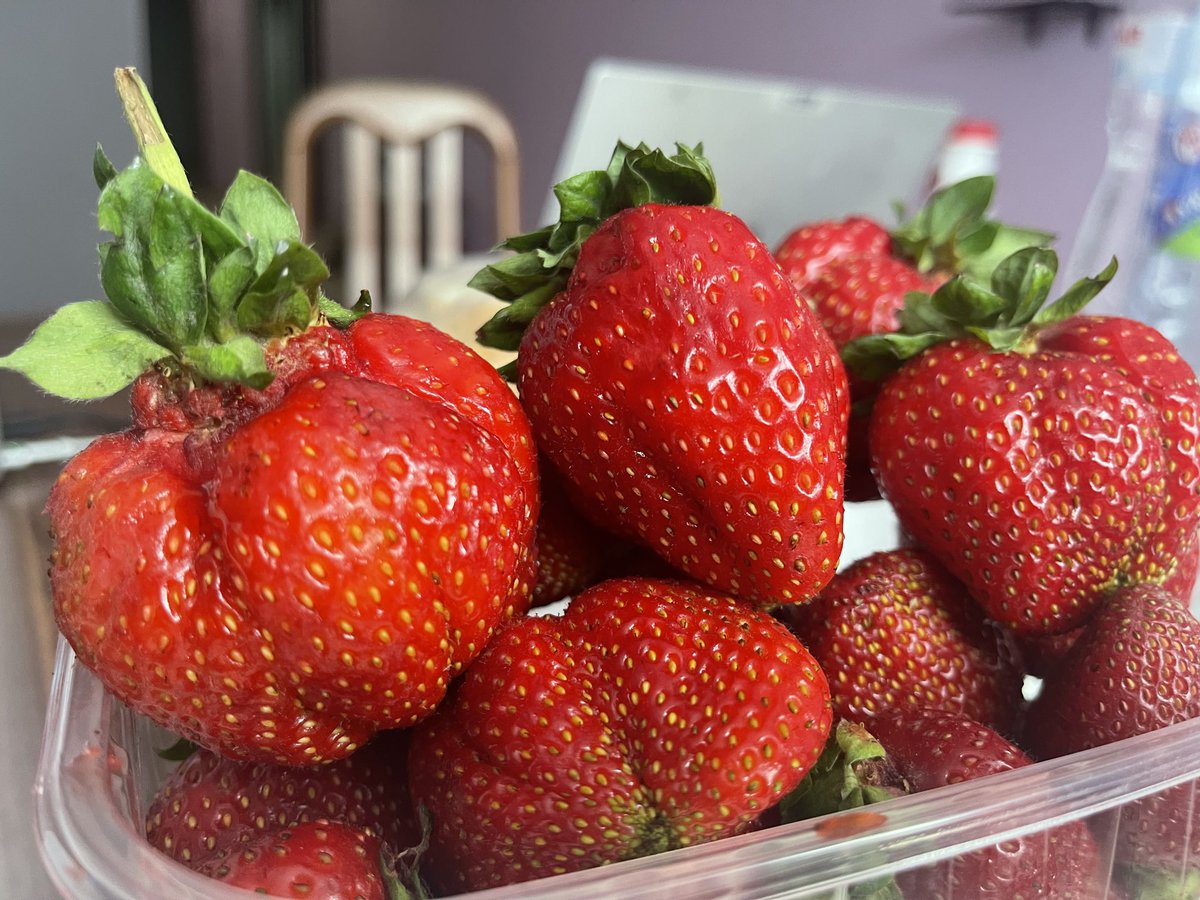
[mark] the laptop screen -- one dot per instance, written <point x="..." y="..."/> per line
<point x="784" y="152"/>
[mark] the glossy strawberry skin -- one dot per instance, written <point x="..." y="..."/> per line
<point x="1038" y="479"/>
<point x="329" y="860"/>
<point x="854" y="296"/>
<point x="896" y="631"/>
<point x="279" y="574"/>
<point x="211" y="806"/>
<point x="1150" y="362"/>
<point x="933" y="749"/>
<point x="808" y="250"/>
<point x="859" y="295"/>
<point x="651" y="715"/>
<point x="1134" y="668"/>
<point x="693" y="401"/>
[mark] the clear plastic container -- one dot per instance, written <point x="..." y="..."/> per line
<point x="99" y="769"/>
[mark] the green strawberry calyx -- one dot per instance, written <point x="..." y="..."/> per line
<point x="543" y="259"/>
<point x="852" y="771"/>
<point x="1005" y="314"/>
<point x="191" y="291"/>
<point x="951" y="233"/>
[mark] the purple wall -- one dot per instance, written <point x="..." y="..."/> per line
<point x="1048" y="97"/>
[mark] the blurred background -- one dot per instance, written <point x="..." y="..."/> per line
<point x="1035" y="78"/>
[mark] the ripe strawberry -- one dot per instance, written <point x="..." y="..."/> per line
<point x="1041" y="463"/>
<point x="933" y="749"/>
<point x="1134" y="668"/>
<point x="677" y="380"/>
<point x="856" y="276"/>
<point x="308" y="530"/>
<point x="322" y="859"/>
<point x="896" y="631"/>
<point x="805" y="252"/>
<point x="212" y="806"/>
<point x="651" y="715"/>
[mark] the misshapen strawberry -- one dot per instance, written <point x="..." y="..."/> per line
<point x="677" y="380"/>
<point x="1043" y="457"/>
<point x="651" y="715"/>
<point x="308" y="530"/>
<point x="896" y="631"/>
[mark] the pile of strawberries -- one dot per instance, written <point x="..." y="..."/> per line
<point x="314" y="551"/>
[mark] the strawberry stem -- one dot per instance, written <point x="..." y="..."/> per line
<point x="149" y="131"/>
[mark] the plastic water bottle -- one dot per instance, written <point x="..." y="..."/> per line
<point x="1146" y="207"/>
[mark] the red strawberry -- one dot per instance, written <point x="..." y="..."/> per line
<point x="651" y="715"/>
<point x="681" y="385"/>
<point x="1135" y="668"/>
<point x="212" y="806"/>
<point x="308" y="530"/>
<point x="859" y="295"/>
<point x="1040" y="474"/>
<point x="856" y="276"/>
<point x="322" y="859"/>
<point x="805" y="252"/>
<point x="933" y="749"/>
<point x="896" y="631"/>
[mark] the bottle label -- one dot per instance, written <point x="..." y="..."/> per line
<point x="1175" y="210"/>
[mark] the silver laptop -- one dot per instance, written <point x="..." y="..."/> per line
<point x="784" y="152"/>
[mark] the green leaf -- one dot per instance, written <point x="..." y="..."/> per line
<point x="283" y="298"/>
<point x="920" y="314"/>
<point x="873" y="357"/>
<point x="1024" y="280"/>
<point x="1077" y="296"/>
<point x="504" y="330"/>
<point x="965" y="201"/>
<point x="963" y="302"/>
<point x="84" y="351"/>
<point x="980" y="262"/>
<point x="173" y="270"/>
<point x="259" y="216"/>
<point x="102" y="168"/>
<point x="582" y="196"/>
<point x="240" y="359"/>
<point x="227" y="283"/>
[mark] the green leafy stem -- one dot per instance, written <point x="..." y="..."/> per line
<point x="183" y="285"/>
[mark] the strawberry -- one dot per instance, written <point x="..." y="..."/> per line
<point x="805" y="252"/>
<point x="933" y="749"/>
<point x="317" y="517"/>
<point x="1134" y="668"/>
<point x="323" y="859"/>
<point x="896" y="631"/>
<point x="856" y="275"/>
<point x="1043" y="457"/>
<point x="651" y="715"/>
<point x="212" y="806"/>
<point x="676" y="379"/>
